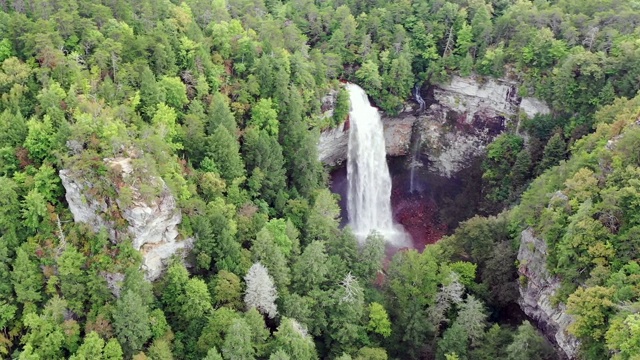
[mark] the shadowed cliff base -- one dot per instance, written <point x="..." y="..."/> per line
<point x="433" y="209"/>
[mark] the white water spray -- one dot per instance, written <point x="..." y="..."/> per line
<point x="369" y="195"/>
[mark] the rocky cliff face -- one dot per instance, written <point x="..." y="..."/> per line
<point x="334" y="143"/>
<point x="150" y="221"/>
<point x="537" y="289"/>
<point x="462" y="118"/>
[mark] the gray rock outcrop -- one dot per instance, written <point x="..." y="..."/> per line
<point x="536" y="293"/>
<point x="333" y="144"/>
<point x="150" y="220"/>
<point x="464" y="116"/>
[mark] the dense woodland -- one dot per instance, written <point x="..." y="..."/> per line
<point x="222" y="99"/>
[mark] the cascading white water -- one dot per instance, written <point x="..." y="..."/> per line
<point x="418" y="97"/>
<point x="369" y="194"/>
<point x="416" y="142"/>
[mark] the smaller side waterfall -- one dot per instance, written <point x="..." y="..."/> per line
<point x="415" y="163"/>
<point x="416" y="141"/>
<point x="369" y="194"/>
<point x="418" y="97"/>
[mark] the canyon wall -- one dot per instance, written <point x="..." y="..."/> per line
<point x="537" y="289"/>
<point x="461" y="119"/>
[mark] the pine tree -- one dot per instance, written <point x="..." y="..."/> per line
<point x="261" y="292"/>
<point x="527" y="344"/>
<point x="131" y="322"/>
<point x="27" y="278"/>
<point x="371" y="257"/>
<point x="265" y="251"/>
<point x="219" y="114"/>
<point x="294" y="341"/>
<point x="237" y="344"/>
<point x="553" y="153"/>
<point x="151" y="94"/>
<point x="224" y="150"/>
<point x="310" y="269"/>
<point x="90" y="349"/>
<point x="454" y="340"/>
<point x="473" y="318"/>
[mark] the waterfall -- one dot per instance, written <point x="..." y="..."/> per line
<point x="415" y="139"/>
<point x="415" y="162"/>
<point x="369" y="194"/>
<point x="418" y="97"/>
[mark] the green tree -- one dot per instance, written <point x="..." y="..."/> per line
<point x="73" y="278"/>
<point x="131" y="322"/>
<point x="267" y="252"/>
<point x="45" y="335"/>
<point x="528" y="344"/>
<point x="40" y="141"/>
<point x="310" y="269"/>
<point x="175" y="92"/>
<point x="213" y="354"/>
<point x="91" y="348"/>
<point x="164" y="123"/>
<point x="160" y="350"/>
<point x="369" y="78"/>
<point x="622" y="337"/>
<point x="591" y="307"/>
<point x="227" y="290"/>
<point x="371" y="354"/>
<point x="34" y="211"/>
<point x="501" y="156"/>
<point x="292" y="339"/>
<point x="553" y="153"/>
<point x="264" y="116"/>
<point x="224" y="150"/>
<point x="264" y="160"/>
<point x="195" y="302"/>
<point x="378" y="320"/>
<point x="371" y="257"/>
<point x="454" y="340"/>
<point x="342" y="106"/>
<point x="220" y="114"/>
<point x="521" y="171"/>
<point x="27" y="278"/>
<point x="151" y="94"/>
<point x="322" y="221"/>
<point x="112" y="351"/>
<point x="237" y="344"/>
<point x="259" y="332"/>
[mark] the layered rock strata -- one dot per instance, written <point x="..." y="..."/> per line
<point x="461" y="119"/>
<point x="537" y="289"/>
<point x="149" y="220"/>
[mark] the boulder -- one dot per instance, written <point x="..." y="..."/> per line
<point x="537" y="289"/>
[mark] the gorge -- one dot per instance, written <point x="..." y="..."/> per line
<point x="434" y="151"/>
<point x="435" y="147"/>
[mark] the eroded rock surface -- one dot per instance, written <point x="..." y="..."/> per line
<point x="537" y="291"/>
<point x="464" y="116"/>
<point x="334" y="143"/>
<point x="149" y="219"/>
